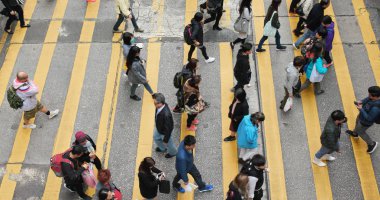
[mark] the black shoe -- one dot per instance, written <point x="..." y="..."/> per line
<point x="216" y="28"/>
<point x="9" y="31"/>
<point x="232" y="45"/>
<point x="229" y="138"/>
<point x="372" y="148"/>
<point x="169" y="156"/>
<point x="159" y="150"/>
<point x="352" y="134"/>
<point x="135" y="97"/>
<point x="177" y="110"/>
<point x="320" y="92"/>
<point x="25" y="26"/>
<point x="139" y="30"/>
<point x="281" y="48"/>
<point x="260" y="50"/>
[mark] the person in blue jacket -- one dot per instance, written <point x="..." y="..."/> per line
<point x="184" y="164"/>
<point x="248" y="134"/>
<point x="315" y="59"/>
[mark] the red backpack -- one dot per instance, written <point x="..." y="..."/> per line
<point x="56" y="160"/>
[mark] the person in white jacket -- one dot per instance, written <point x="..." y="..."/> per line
<point x="245" y="11"/>
<point x="123" y="9"/>
<point x="307" y="5"/>
<point x="27" y="91"/>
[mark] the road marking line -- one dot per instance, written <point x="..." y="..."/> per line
<point x="313" y="130"/>
<point x="69" y="113"/>
<point x="147" y="120"/>
<point x="229" y="149"/>
<point x="92" y="10"/>
<point x="226" y="17"/>
<point x="277" y="185"/>
<point x="60" y="9"/>
<point x="159" y="6"/>
<point x="363" y="159"/>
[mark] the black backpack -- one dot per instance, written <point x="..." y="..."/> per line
<point x="181" y="77"/>
<point x="13" y="99"/>
<point x="187" y="34"/>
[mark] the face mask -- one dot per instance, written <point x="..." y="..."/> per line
<point x="133" y="40"/>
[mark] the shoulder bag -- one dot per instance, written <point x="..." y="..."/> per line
<point x="269" y="30"/>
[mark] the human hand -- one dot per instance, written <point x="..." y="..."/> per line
<point x="92" y="155"/>
<point x="359" y="106"/>
<point x="197" y="43"/>
<point x="13" y="12"/>
<point x="85" y="165"/>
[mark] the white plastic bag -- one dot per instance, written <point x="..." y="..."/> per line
<point x="288" y="104"/>
<point x="269" y="30"/>
<point x="315" y="76"/>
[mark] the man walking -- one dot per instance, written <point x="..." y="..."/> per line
<point x="164" y="127"/>
<point x="330" y="138"/>
<point x="27" y="91"/>
<point x="185" y="164"/>
<point x="369" y="113"/>
<point x="215" y="8"/>
<point x="255" y="168"/>
<point x="13" y="7"/>
<point x="124" y="11"/>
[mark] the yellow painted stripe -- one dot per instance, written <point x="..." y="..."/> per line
<point x="229" y="149"/>
<point x="144" y="147"/>
<point x="60" y="9"/>
<point x="225" y="22"/>
<point x="2" y="40"/>
<point x="271" y="129"/>
<point x="191" y="9"/>
<point x="313" y="131"/>
<point x="159" y="6"/>
<point x="22" y="138"/>
<point x="66" y="126"/>
<point x="363" y="159"/>
<point x="92" y="10"/>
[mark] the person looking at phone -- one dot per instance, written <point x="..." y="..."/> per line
<point x="147" y="181"/>
<point x="369" y="113"/>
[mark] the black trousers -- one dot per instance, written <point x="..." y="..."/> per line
<point x="217" y="15"/>
<point x="20" y="14"/>
<point x="192" y="48"/>
<point x="326" y="56"/>
<point x="277" y="37"/>
<point x="293" y="5"/>
<point x="258" y="194"/>
<point x="77" y="187"/>
<point x="300" y="26"/>
<point x="190" y="119"/>
<point x="120" y="19"/>
<point x="195" y="174"/>
<point x="9" y="21"/>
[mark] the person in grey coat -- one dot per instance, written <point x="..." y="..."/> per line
<point x="245" y="11"/>
<point x="330" y="138"/>
<point x="292" y="78"/>
<point x="136" y="72"/>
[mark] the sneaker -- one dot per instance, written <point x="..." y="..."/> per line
<point x="207" y="188"/>
<point x="232" y="45"/>
<point x="31" y="126"/>
<point x="352" y="134"/>
<point x="169" y="156"/>
<point x="372" y="148"/>
<point x="320" y="92"/>
<point x="281" y="48"/>
<point x="180" y="189"/>
<point x="216" y="28"/>
<point x="53" y="113"/>
<point x="192" y="128"/>
<point x="210" y="60"/>
<point x="260" y="50"/>
<point x="139" y="30"/>
<point x="328" y="157"/>
<point x="64" y="185"/>
<point x="135" y="97"/>
<point x="295" y="47"/>
<point x="229" y="138"/>
<point x="319" y="162"/>
<point x="195" y="122"/>
<point x="159" y="150"/>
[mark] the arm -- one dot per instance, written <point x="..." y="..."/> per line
<point x="252" y="136"/>
<point x="70" y="173"/>
<point x="33" y="90"/>
<point x="155" y="170"/>
<point x="246" y="14"/>
<point x="319" y="66"/>
<point x="330" y="138"/>
<point x="371" y="115"/>
<point x="194" y="33"/>
<point x="136" y="71"/>
<point x="252" y="186"/>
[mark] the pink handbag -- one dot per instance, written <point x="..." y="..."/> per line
<point x="88" y="176"/>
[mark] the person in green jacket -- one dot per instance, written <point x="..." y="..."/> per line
<point x="330" y="138"/>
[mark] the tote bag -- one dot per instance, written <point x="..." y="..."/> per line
<point x="88" y="176"/>
<point x="315" y="76"/>
<point x="269" y="30"/>
<point x="241" y="25"/>
<point x="288" y="105"/>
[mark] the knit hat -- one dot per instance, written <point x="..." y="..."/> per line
<point x="80" y="136"/>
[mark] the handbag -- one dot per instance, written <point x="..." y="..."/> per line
<point x="241" y="25"/>
<point x="164" y="186"/>
<point x="117" y="193"/>
<point x="315" y="76"/>
<point x="88" y="176"/>
<point x="196" y="108"/>
<point x="269" y="30"/>
<point x="299" y="9"/>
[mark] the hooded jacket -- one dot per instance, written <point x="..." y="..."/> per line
<point x="370" y="112"/>
<point x="318" y="64"/>
<point x="184" y="162"/>
<point x="27" y="93"/>
<point x="242" y="69"/>
<point x="292" y="76"/>
<point x="247" y="133"/>
<point x="330" y="36"/>
<point x="196" y="31"/>
<point x="330" y="135"/>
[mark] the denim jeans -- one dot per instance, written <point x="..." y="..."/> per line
<point x="277" y="37"/>
<point x="158" y="139"/>
<point x="323" y="151"/>
<point x="306" y="35"/>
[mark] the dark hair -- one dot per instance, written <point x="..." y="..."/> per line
<point x="326" y="20"/>
<point x="240" y="94"/>
<point x="159" y="97"/>
<point x="146" y="164"/>
<point x="245" y="4"/>
<point x="257" y="116"/>
<point x="324" y="2"/>
<point x="133" y="51"/>
<point x="192" y="64"/>
<point x="316" y="49"/>
<point x="77" y="150"/>
<point x="322" y="31"/>
<point x="258" y="160"/>
<point x="337" y="115"/>
<point x="104" y="175"/>
<point x="198" y="16"/>
<point x="189" y="140"/>
<point x="246" y="47"/>
<point x="195" y="80"/>
<point x="374" y="91"/>
<point x="275" y="4"/>
<point x="298" y="61"/>
<point x="127" y="36"/>
<point x="103" y="193"/>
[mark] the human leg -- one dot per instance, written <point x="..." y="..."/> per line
<point x="262" y="40"/>
<point x="172" y="150"/>
<point x="190" y="118"/>
<point x="326" y="56"/>
<point x="133" y="89"/>
<point x="20" y="14"/>
<point x="158" y="140"/>
<point x="120" y="19"/>
<point x="306" y="35"/>
<point x="278" y="41"/>
<point x="175" y="183"/>
<point x="204" y="52"/>
<point x="197" y="177"/>
<point x="190" y="53"/>
<point x="306" y="84"/>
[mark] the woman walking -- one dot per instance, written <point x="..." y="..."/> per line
<point x="271" y="26"/>
<point x="238" y="188"/>
<point x="136" y="72"/>
<point x="147" y="181"/>
<point x="245" y="11"/>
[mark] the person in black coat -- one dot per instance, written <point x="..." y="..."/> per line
<point x="238" y="109"/>
<point x="72" y="171"/>
<point x="242" y="69"/>
<point x="197" y="37"/>
<point x="148" y="182"/>
<point x="164" y="127"/>
<point x="89" y="145"/>
<point x="215" y="9"/>
<point x="13" y="7"/>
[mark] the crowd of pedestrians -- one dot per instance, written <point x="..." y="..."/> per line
<point x="316" y="33"/>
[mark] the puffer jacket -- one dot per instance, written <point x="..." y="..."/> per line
<point x="137" y="73"/>
<point x="27" y="93"/>
<point x="370" y="112"/>
<point x="330" y="135"/>
<point x="319" y="65"/>
<point x="247" y="133"/>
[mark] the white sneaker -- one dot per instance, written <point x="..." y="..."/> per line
<point x="53" y="113"/>
<point x="328" y="157"/>
<point x="31" y="126"/>
<point x="319" y="162"/>
<point x="210" y="60"/>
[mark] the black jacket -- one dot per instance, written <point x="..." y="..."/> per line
<point x="330" y="135"/>
<point x="314" y="19"/>
<point x="241" y="110"/>
<point x="275" y="22"/>
<point x="9" y="3"/>
<point x="164" y="122"/>
<point x="242" y="69"/>
<point x="71" y="175"/>
<point x="233" y="193"/>
<point x="148" y="184"/>
<point x="214" y="4"/>
<point x="196" y="31"/>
